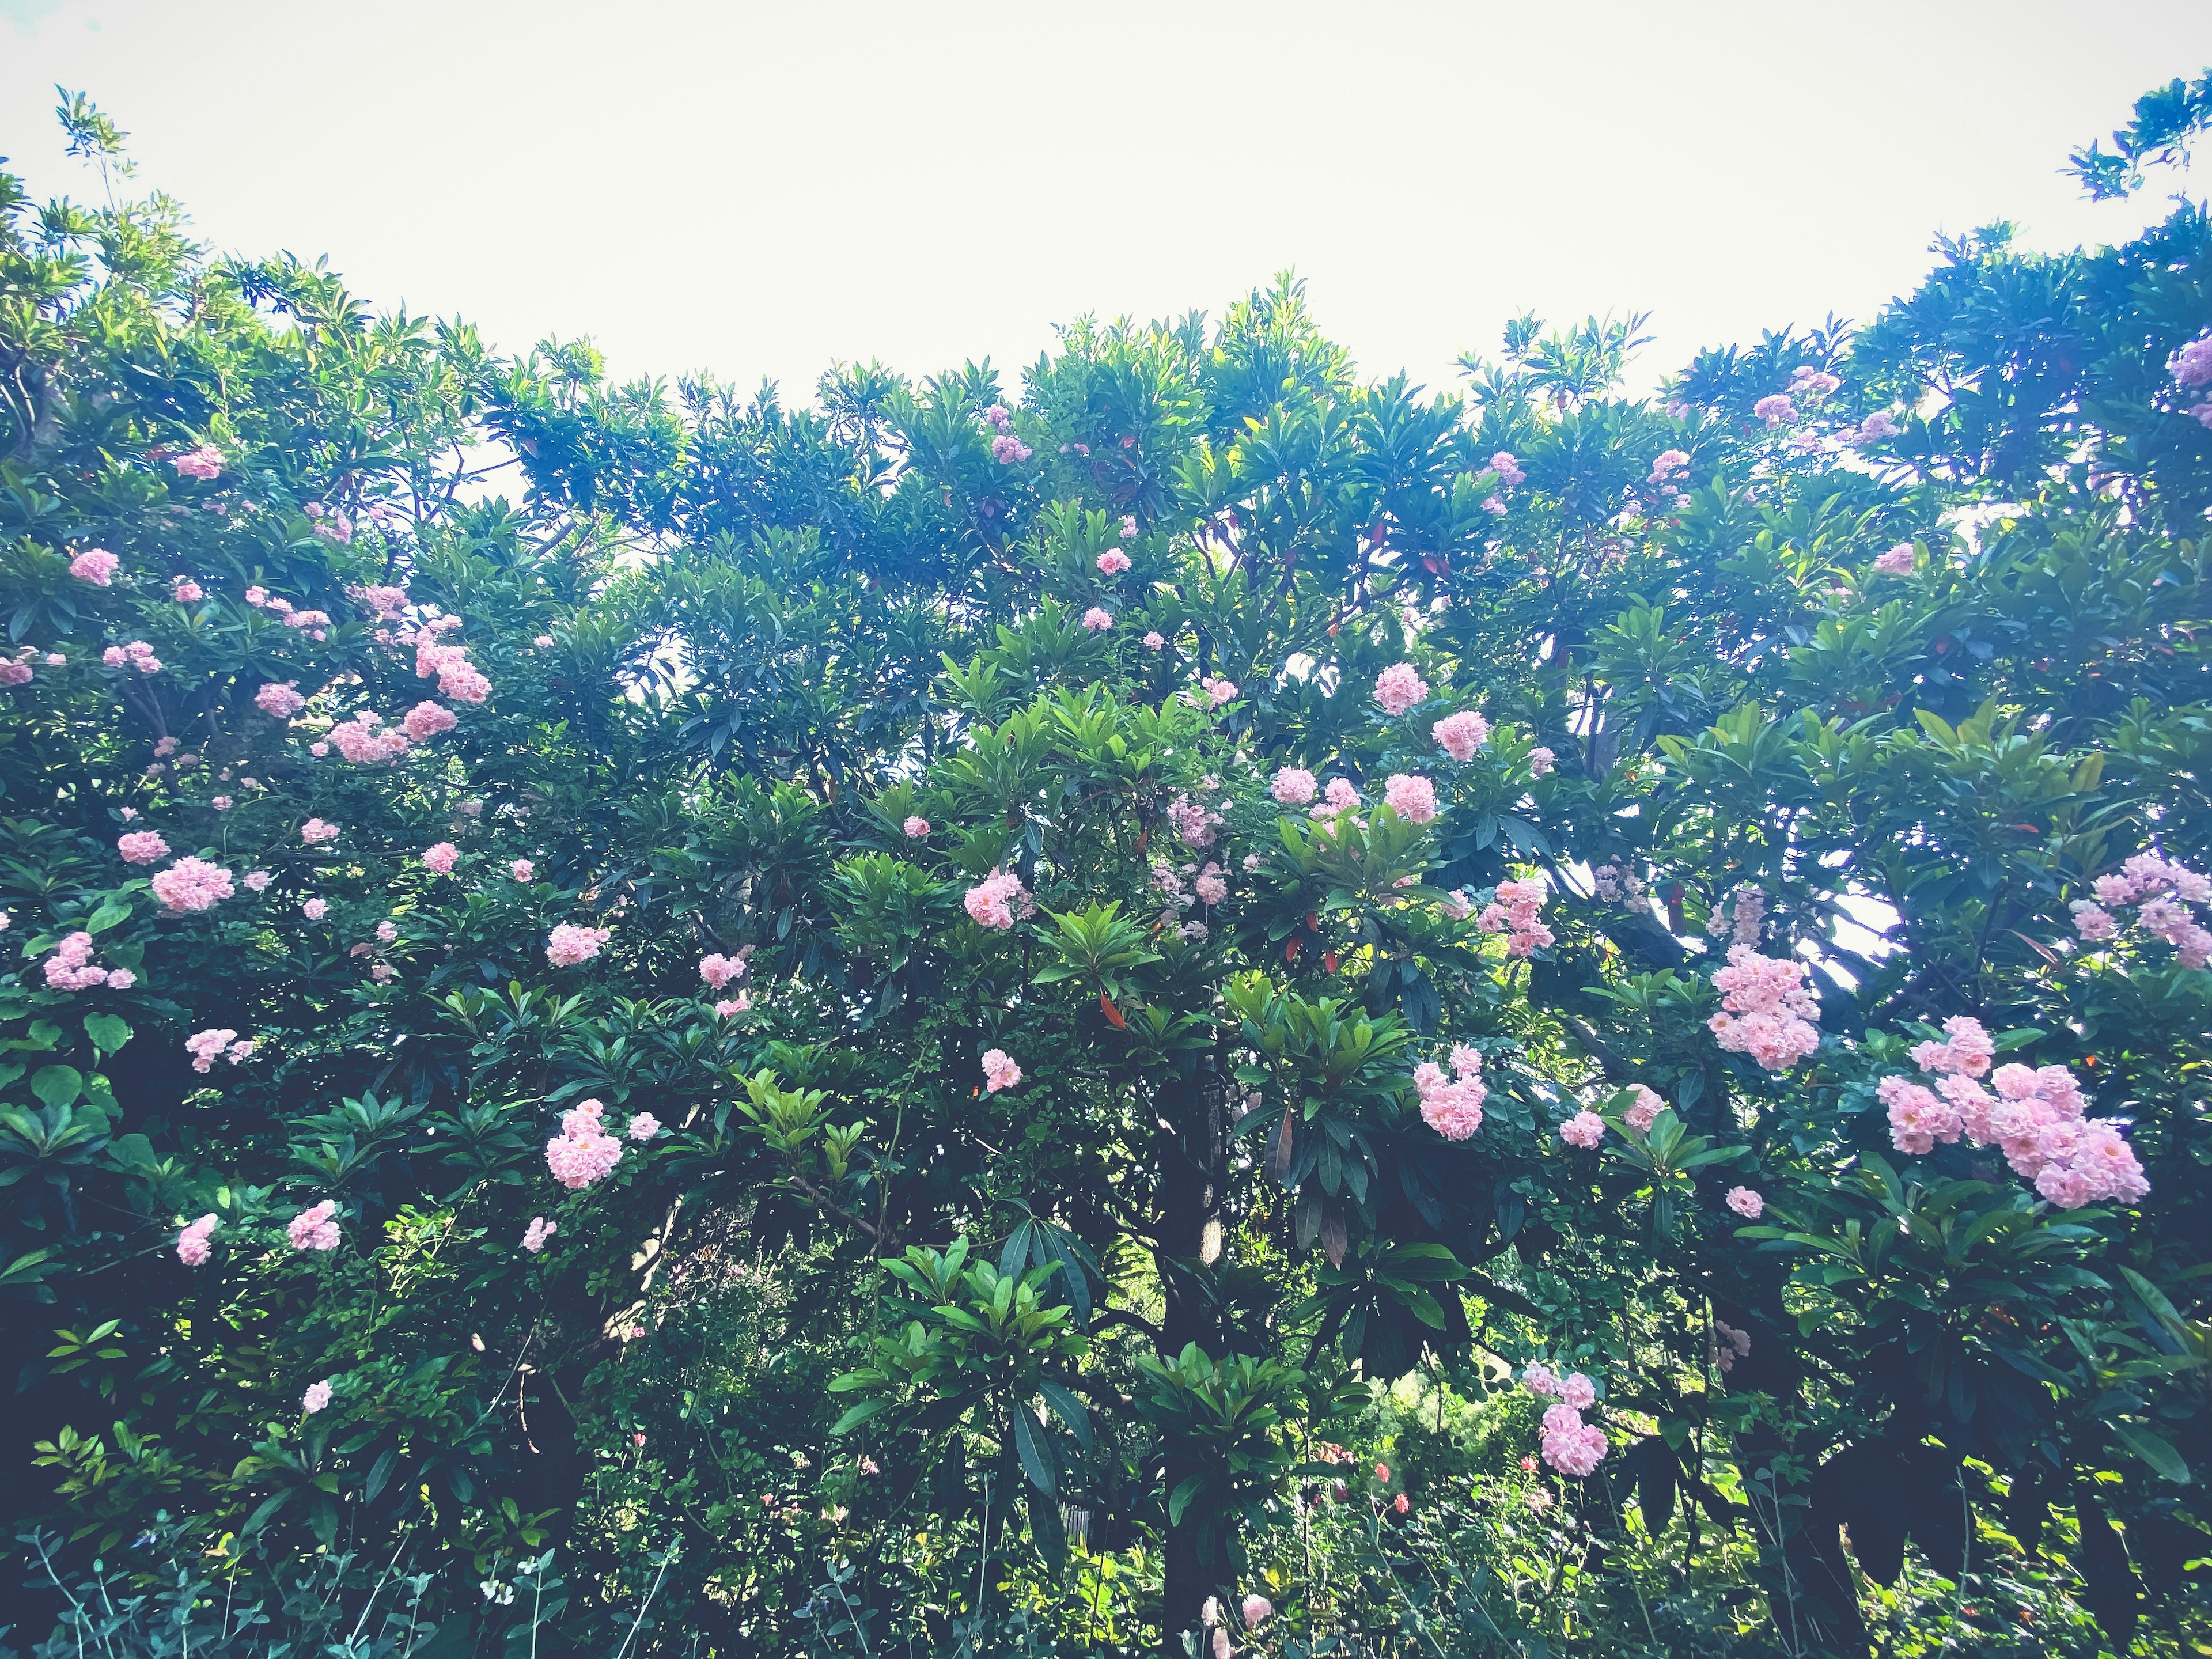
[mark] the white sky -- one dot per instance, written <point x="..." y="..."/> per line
<point x="761" y="189"/>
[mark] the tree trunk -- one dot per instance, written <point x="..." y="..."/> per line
<point x="1194" y="1166"/>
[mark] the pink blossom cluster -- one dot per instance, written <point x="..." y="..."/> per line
<point x="1513" y="912"/>
<point x="643" y="1126"/>
<point x="1878" y="426"/>
<point x="1113" y="562"/>
<point x="2034" y="1116"/>
<point x="95" y="565"/>
<point x="280" y="701"/>
<point x="718" y="970"/>
<point x="1194" y="820"/>
<point x="1155" y="640"/>
<point x="1462" y="734"/>
<point x="192" y="1243"/>
<point x="1898" y="561"/>
<point x="138" y="654"/>
<point x="1293" y="786"/>
<point x="2163" y="890"/>
<point x="1570" y="1445"/>
<point x="314" y="1228"/>
<point x="1339" y="798"/>
<point x="72" y="968"/>
<point x="1456" y="905"/>
<point x="191" y="884"/>
<point x="17" y="670"/>
<point x="998" y="899"/>
<point x="1775" y="409"/>
<point x="583" y="1152"/>
<point x="385" y="603"/>
<point x="916" y="828"/>
<point x="999" y="1070"/>
<point x="1540" y="762"/>
<point x="522" y="870"/>
<point x="1128" y="526"/>
<point x="1642" y="1109"/>
<point x="1746" y="1203"/>
<point x="1768" y="1009"/>
<point x="205" y="462"/>
<point x="217" y="1042"/>
<point x="426" y="718"/>
<point x="315" y="1397"/>
<point x="1097" y="620"/>
<point x="1743" y="915"/>
<point x="141" y="847"/>
<point x="330" y="523"/>
<point x="535" y="1235"/>
<point x="315" y="832"/>
<point x="1219" y="691"/>
<point x="729" y="1005"/>
<point x="1452" y="1105"/>
<point x="1509" y="475"/>
<point x="358" y="740"/>
<point x="458" y="678"/>
<point x="1727" y="1345"/>
<point x="1813" y="382"/>
<point x="1614" y="882"/>
<point x="1007" y="448"/>
<point x="1665" y="465"/>
<point x="441" y="858"/>
<point x="568" y="943"/>
<point x="2191" y="365"/>
<point x="1585" y="1129"/>
<point x="1413" y="797"/>
<point x="1398" y="688"/>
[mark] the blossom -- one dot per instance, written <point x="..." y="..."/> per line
<point x="1128" y="526"/>
<point x="1293" y="786"/>
<point x="1873" y="429"/>
<point x="1413" y="797"/>
<point x="1155" y="640"/>
<point x="1456" y="905"/>
<point x="1768" y="1009"/>
<point x="315" y="908"/>
<point x="999" y="1070"/>
<point x="543" y="641"/>
<point x="1746" y="1203"/>
<point x="313" y="1228"/>
<point x="1775" y="409"/>
<point x="994" y="901"/>
<point x="1462" y="734"/>
<point x="916" y="828"/>
<point x="643" y="1127"/>
<point x="1668" y="463"/>
<point x="1007" y="448"/>
<point x="2191" y="365"/>
<point x="1816" y="381"/>
<point x="1576" y="1451"/>
<point x="95" y="565"/>
<point x="1643" y="1109"/>
<point x="1256" y="1609"/>
<point x="568" y="944"/>
<point x="1096" y="621"/>
<point x="1508" y="470"/>
<point x="729" y="1005"/>
<point x="535" y="1235"/>
<point x="1113" y="562"/>
<point x="17" y="673"/>
<point x="426" y="718"/>
<point x="186" y="591"/>
<point x="204" y="1046"/>
<point x="387" y="930"/>
<point x="1577" y="1392"/>
<point x="1514" y="913"/>
<point x="72" y="968"/>
<point x="317" y="1396"/>
<point x="192" y="1242"/>
<point x="191" y="884"/>
<point x="141" y="847"/>
<point x="719" y="970"/>
<point x="1918" y="1118"/>
<point x="1540" y="762"/>
<point x="1219" y="691"/>
<point x="1398" y="688"/>
<point x="440" y="857"/>
<point x="1967" y="1051"/>
<point x="1453" y="1106"/>
<point x="315" y="832"/>
<point x="1584" y="1129"/>
<point x="1898" y="561"/>
<point x="583" y="1152"/>
<point x="522" y="870"/>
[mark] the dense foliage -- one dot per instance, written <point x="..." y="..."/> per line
<point x="984" y="1018"/>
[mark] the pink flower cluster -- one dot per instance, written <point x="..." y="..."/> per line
<point x="1898" y="561"/>
<point x="1813" y="382"/>
<point x="1007" y="448"/>
<point x="1293" y="786"/>
<point x="718" y="970"/>
<point x="205" y="462"/>
<point x="1452" y="1105"/>
<point x="2191" y="365"/>
<point x="192" y="1243"/>
<point x="643" y="1127"/>
<point x="729" y="1005"/>
<point x="1413" y="797"/>
<point x="315" y="1397"/>
<point x="535" y="1235"/>
<point x="916" y="828"/>
<point x="1340" y="797"/>
<point x="1768" y="1009"/>
<point x="1096" y="621"/>
<point x="315" y="832"/>
<point x="280" y="701"/>
<point x="1462" y="734"/>
<point x="386" y="603"/>
<point x="568" y="944"/>
<point x="1398" y="688"/>
<point x="72" y="968"/>
<point x="314" y="1228"/>
<point x="358" y="740"/>
<point x="996" y="900"/>
<point x="1540" y="762"/>
<point x="1585" y="1129"/>
<point x="1219" y="691"/>
<point x="1775" y="409"/>
<point x="1570" y="1445"/>
<point x="1194" y="820"/>
<point x="441" y="858"/>
<point x="1665" y="465"/>
<point x="191" y="884"/>
<point x="138" y="654"/>
<point x="2034" y="1116"/>
<point x="1113" y="562"/>
<point x="2163" y="890"/>
<point x="583" y="1152"/>
<point x="141" y="847"/>
<point x="1873" y="429"/>
<point x="999" y="1070"/>
<point x="1746" y="1203"/>
<point x="1512" y="912"/>
<point x="1748" y="918"/>
<point x="458" y="678"/>
<point x="205" y="1046"/>
<point x="95" y="565"/>
<point x="1509" y="475"/>
<point x="426" y="718"/>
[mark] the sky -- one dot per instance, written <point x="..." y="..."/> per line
<point x="760" y="190"/>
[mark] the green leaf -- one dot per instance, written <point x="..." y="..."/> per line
<point x="112" y="914"/>
<point x="57" y="1086"/>
<point x="2153" y="1450"/>
<point x="1180" y="1500"/>
<point x="1025" y="1443"/>
<point x="1070" y="1411"/>
<point x="856" y="1415"/>
<point x="108" y="1032"/>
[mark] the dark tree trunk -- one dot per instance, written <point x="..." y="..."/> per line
<point x="1193" y="1166"/>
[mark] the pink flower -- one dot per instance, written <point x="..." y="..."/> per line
<point x="388" y="931"/>
<point x="315" y="832"/>
<point x="1256" y="1609"/>
<point x="205" y="462"/>
<point x="1456" y="905"/>
<point x="313" y="1229"/>
<point x="1540" y="762"/>
<point x="191" y="884"/>
<point x="426" y="718"/>
<point x="192" y="1243"/>
<point x="999" y="1070"/>
<point x="187" y="592"/>
<point x="2192" y="364"/>
<point x="568" y="944"/>
<point x="1898" y="561"/>
<point x="1401" y="1502"/>
<point x="995" y="901"/>
<point x="583" y="1152"/>
<point x="544" y="641"/>
<point x="1219" y="691"/>
<point x="95" y="565"/>
<point x="1873" y="429"/>
<point x="317" y="1397"/>
<point x="1293" y="786"/>
<point x="1508" y="470"/>
<point x="1775" y="409"/>
<point x="71" y="968"/>
<point x="1007" y="448"/>
<point x="1113" y="562"/>
<point x="279" y="701"/>
<point x="718" y="970"/>
<point x="205" y="1046"/>
<point x="535" y="1235"/>
<point x="1575" y="1451"/>
<point x="17" y="673"/>
<point x="916" y="828"/>
<point x="318" y="750"/>
<point x="1413" y="797"/>
<point x="141" y="847"/>
<point x="222" y="803"/>
<point x="1462" y="734"/>
<point x="522" y="870"/>
<point x="1577" y="1392"/>
<point x="1128" y="526"/>
<point x="1816" y="381"/>
<point x="643" y="1127"/>
<point x="1155" y="640"/>
<point x="121" y="979"/>
<point x="1398" y="688"/>
<point x="736" y="1005"/>
<point x="1583" y="1129"/>
<point x="1666" y="463"/>
<point x="1746" y="1203"/>
<point x="1768" y="1009"/>
<point x="440" y="857"/>
<point x="1453" y="1106"/>
<point x="1096" y="621"/>
<point x="1643" y="1109"/>
<point x="1968" y="1052"/>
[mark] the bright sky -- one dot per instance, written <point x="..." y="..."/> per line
<point x="761" y="189"/>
